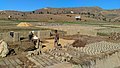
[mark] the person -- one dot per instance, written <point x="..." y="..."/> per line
<point x="12" y="34"/>
<point x="31" y="35"/>
<point x="39" y="46"/>
<point x="34" y="39"/>
<point x="51" y="34"/>
<point x="56" y="39"/>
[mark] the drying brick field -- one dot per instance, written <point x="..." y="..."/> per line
<point x="82" y="47"/>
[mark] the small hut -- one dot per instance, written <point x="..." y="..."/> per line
<point x="78" y="17"/>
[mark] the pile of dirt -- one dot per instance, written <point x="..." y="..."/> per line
<point x="24" y="24"/>
<point x="79" y="43"/>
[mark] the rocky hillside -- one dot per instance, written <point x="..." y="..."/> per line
<point x="64" y="14"/>
<point x="68" y="10"/>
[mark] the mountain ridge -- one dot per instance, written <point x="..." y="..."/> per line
<point x="64" y="14"/>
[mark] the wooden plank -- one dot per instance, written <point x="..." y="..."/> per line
<point x="11" y="66"/>
<point x="56" y="61"/>
<point x="7" y="62"/>
<point x="52" y="62"/>
<point x="45" y="61"/>
<point x="6" y="67"/>
<point x="38" y="66"/>
<point x="33" y="60"/>
<point x="49" y="60"/>
<point x="2" y="62"/>
<point x="36" y="62"/>
<point x="40" y="62"/>
<point x="3" y="66"/>
<point x="18" y="61"/>
<point x="18" y="66"/>
<point x="13" y="62"/>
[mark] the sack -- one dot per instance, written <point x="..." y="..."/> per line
<point x="5" y="50"/>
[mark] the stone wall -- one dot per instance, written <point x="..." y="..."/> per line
<point x="43" y="34"/>
<point x="8" y="38"/>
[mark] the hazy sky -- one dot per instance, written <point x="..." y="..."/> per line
<point x="29" y="5"/>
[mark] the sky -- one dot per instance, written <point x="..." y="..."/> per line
<point x="31" y="5"/>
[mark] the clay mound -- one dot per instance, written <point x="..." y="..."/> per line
<point x="24" y="24"/>
<point x="79" y="43"/>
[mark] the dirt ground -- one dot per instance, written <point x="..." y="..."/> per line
<point x="89" y="30"/>
<point x="50" y="43"/>
<point x="82" y="40"/>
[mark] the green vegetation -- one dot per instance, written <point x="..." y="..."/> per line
<point x="88" y="23"/>
<point x="20" y="29"/>
<point x="25" y="21"/>
<point x="102" y="34"/>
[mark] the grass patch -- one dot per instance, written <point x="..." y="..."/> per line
<point x="15" y="28"/>
<point x="88" y="23"/>
<point x="6" y="21"/>
<point x="25" y="21"/>
<point x="102" y="34"/>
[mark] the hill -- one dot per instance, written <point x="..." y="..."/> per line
<point x="64" y="14"/>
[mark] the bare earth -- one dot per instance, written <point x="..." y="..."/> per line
<point x="75" y="29"/>
<point x="50" y="43"/>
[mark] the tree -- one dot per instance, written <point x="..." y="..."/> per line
<point x="41" y="13"/>
<point x="33" y="11"/>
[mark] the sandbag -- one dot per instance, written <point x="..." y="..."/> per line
<point x="4" y="49"/>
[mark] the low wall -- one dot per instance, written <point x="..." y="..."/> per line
<point x="8" y="38"/>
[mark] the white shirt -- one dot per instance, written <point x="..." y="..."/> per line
<point x="35" y="37"/>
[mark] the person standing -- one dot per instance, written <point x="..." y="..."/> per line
<point x="56" y="39"/>
<point x="31" y="35"/>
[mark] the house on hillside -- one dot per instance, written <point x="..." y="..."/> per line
<point x="78" y="17"/>
<point x="72" y="12"/>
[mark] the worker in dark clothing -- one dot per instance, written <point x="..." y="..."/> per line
<point x="31" y="35"/>
<point x="56" y="39"/>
